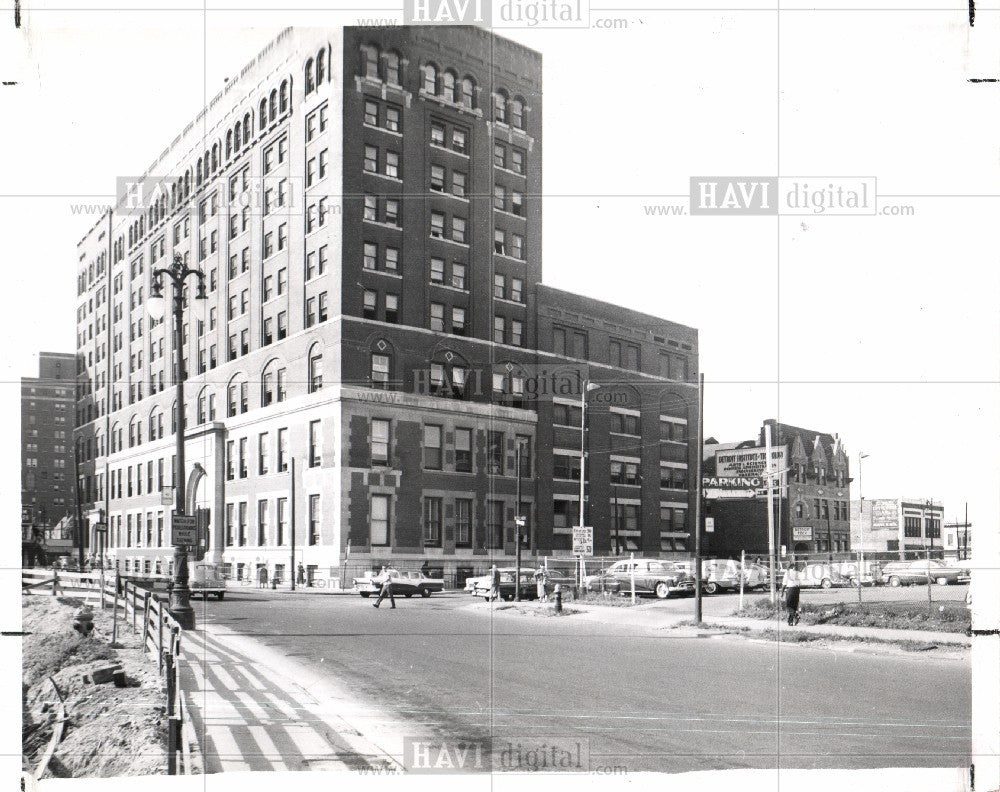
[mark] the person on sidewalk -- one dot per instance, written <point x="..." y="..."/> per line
<point x="540" y="584"/>
<point x="262" y="577"/>
<point x="791" y="587"/>
<point x="494" y="584"/>
<point x="386" y="591"/>
<point x="301" y="575"/>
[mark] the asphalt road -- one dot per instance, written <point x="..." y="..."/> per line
<point x="629" y="699"/>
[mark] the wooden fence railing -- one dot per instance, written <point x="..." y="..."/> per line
<point x="146" y="615"/>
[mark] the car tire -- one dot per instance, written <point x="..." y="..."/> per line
<point x="826" y="583"/>
<point x="942" y="581"/>
<point x="425" y="592"/>
<point x="711" y="588"/>
<point x="895" y="582"/>
<point x="366" y="594"/>
<point x="662" y="591"/>
<point x="408" y="594"/>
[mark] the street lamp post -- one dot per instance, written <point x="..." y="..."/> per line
<point x="861" y="526"/>
<point x="177" y="273"/>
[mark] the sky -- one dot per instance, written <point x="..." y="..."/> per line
<point x="882" y="329"/>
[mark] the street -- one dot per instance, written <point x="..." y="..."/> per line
<point x="638" y="699"/>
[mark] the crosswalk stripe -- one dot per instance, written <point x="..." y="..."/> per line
<point x="226" y="750"/>
<point x="252" y="706"/>
<point x="268" y="748"/>
<point x="224" y="677"/>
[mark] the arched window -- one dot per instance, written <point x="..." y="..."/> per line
<point x="381" y="366"/>
<point x="392" y="68"/>
<point x="262" y="121"/>
<point x="215" y="157"/>
<point x="448" y="86"/>
<point x="173" y="418"/>
<point x="370" y="55"/>
<point x="273" y="110"/>
<point x="283" y="97"/>
<point x="430" y="78"/>
<point x="309" y="77"/>
<point x="800" y="509"/>
<point x="320" y="67"/>
<point x="517" y="112"/>
<point x="237" y="395"/>
<point x="187" y="184"/>
<point x="229" y="144"/>
<point x="237" y="134"/>
<point x="173" y="195"/>
<point x="142" y="227"/>
<point x="500" y="107"/>
<point x="469" y="92"/>
<point x="247" y="127"/>
<point x="134" y="432"/>
<point x="116" y="438"/>
<point x="197" y="173"/>
<point x="130" y="242"/>
<point x="202" y="412"/>
<point x="272" y="383"/>
<point x="315" y="368"/>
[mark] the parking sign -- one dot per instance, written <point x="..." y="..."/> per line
<point x="583" y="540"/>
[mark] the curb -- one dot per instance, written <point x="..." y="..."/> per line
<point x="915" y="636"/>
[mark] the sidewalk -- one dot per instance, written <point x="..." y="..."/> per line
<point x="841" y="631"/>
<point x="255" y="709"/>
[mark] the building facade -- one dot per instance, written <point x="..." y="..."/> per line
<point x="365" y="207"/>
<point x="811" y="504"/>
<point x="880" y="525"/>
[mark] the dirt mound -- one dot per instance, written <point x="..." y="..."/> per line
<point x="109" y="731"/>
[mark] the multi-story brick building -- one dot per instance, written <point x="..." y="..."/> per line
<point x="366" y="208"/>
<point x="47" y="478"/>
<point x="811" y="507"/>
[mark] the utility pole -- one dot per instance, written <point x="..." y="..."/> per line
<point x="291" y="517"/>
<point x="697" y="501"/>
<point x="770" y="510"/>
<point x="518" y="522"/>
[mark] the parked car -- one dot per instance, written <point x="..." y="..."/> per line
<point x="507" y="588"/>
<point x="484" y="580"/>
<point x="822" y="576"/>
<point x="870" y="573"/>
<point x="720" y="574"/>
<point x="904" y="573"/>
<point x="405" y="583"/>
<point x="652" y="576"/>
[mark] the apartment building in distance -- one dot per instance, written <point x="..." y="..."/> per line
<point x="48" y="402"/>
<point x="365" y="205"/>
<point x="903" y="524"/>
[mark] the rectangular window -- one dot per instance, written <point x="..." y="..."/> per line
<point x="315" y="453"/>
<point x="392" y="164"/>
<point x="380" y="371"/>
<point x="458" y="184"/>
<point x="261" y="523"/>
<point x="392" y="308"/>
<point x="432" y="447"/>
<point x="391" y="259"/>
<point x="437" y="316"/>
<point x="494" y="524"/>
<point x="458" y="229"/>
<point x="392" y="119"/>
<point x="370" y="306"/>
<point x="437" y="178"/>
<point x="499" y="329"/>
<point x="282" y="450"/>
<point x="282" y="522"/>
<point x="437" y="225"/>
<point x="463" y="522"/>
<point x="463" y="450"/>
<point x="437" y="270"/>
<point x="437" y="135"/>
<point x="371" y="161"/>
<point x="371" y="113"/>
<point x="379" y="527"/>
<point x="432" y="522"/>
<point x="458" y="321"/>
<point x="314" y="520"/>
<point x="371" y="256"/>
<point x="516" y="332"/>
<point x="458" y="275"/>
<point x="524" y="445"/>
<point x="458" y="140"/>
<point x="380" y="442"/>
<point x="499" y="286"/>
<point x="243" y="457"/>
<point x="263" y="453"/>
<point x="495" y="453"/>
<point x="242" y="529"/>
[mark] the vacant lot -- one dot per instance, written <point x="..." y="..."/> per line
<point x="940" y="617"/>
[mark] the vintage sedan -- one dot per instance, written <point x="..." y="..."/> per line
<point x="904" y="573"/>
<point x="472" y="583"/>
<point x="403" y="583"/>
<point x="507" y="588"/>
<point x="822" y="576"/>
<point x="652" y="576"/>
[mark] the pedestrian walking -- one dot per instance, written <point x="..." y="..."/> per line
<point x="791" y="586"/>
<point x="386" y="591"/>
<point x="540" y="580"/>
<point x="494" y="583"/>
<point x="262" y="577"/>
<point x="301" y="574"/>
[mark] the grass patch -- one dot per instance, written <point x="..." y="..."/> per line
<point x="951" y="617"/>
<point x="611" y="600"/>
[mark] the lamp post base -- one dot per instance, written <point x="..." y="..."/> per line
<point x="184" y="616"/>
<point x="180" y="593"/>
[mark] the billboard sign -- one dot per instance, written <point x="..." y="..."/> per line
<point x="802" y="533"/>
<point x="750" y="462"/>
<point x="885" y="514"/>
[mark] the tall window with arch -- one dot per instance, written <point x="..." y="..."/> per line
<point x="283" y="97"/>
<point x="517" y="112"/>
<point x="315" y="368"/>
<point x="310" y="85"/>
<point x="448" y="85"/>
<point x="500" y="107"/>
<point x="468" y="92"/>
<point x="370" y="55"/>
<point x="430" y="79"/>
<point x="320" y="67"/>
<point x="392" y="68"/>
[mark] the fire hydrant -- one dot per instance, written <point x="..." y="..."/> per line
<point x="558" y="593"/>
<point x="83" y="621"/>
<point x="274" y="583"/>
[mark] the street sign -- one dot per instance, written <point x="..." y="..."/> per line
<point x="519" y="522"/>
<point x="728" y="494"/>
<point x="709" y="525"/>
<point x="802" y="533"/>
<point x="583" y="540"/>
<point x="184" y="529"/>
<point x="167" y="496"/>
<point x="101" y="527"/>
